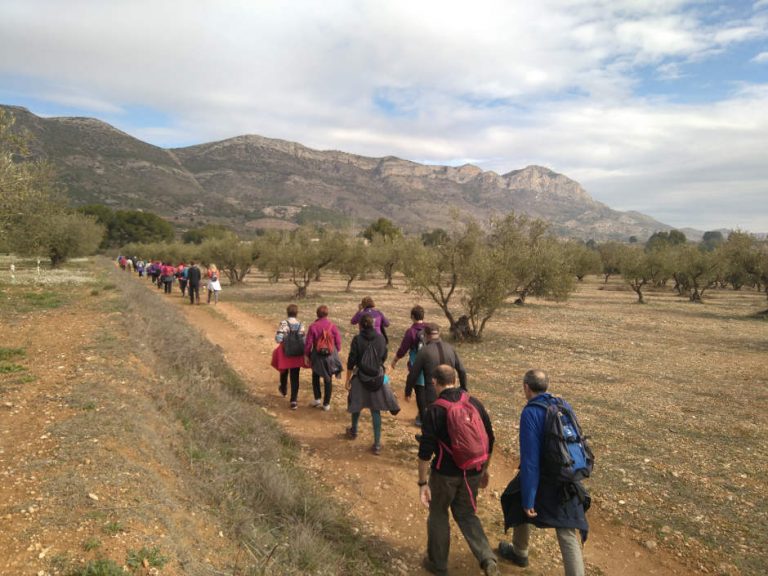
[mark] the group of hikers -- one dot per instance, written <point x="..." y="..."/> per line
<point x="164" y="275"/>
<point x="456" y="436"/>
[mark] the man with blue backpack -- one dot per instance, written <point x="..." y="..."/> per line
<point x="547" y="492"/>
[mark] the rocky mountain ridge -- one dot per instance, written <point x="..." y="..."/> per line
<point x="250" y="182"/>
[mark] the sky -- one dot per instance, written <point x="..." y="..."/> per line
<point x="658" y="106"/>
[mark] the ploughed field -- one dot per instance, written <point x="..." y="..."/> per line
<point x="672" y="393"/>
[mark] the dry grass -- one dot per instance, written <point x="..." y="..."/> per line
<point x="673" y="394"/>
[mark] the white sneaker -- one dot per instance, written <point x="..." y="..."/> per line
<point x="326" y="407"/>
<point x="316" y="403"/>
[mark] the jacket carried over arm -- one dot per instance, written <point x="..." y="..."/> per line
<point x="556" y="506"/>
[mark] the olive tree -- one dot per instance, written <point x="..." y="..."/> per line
<point x="231" y="255"/>
<point x="635" y="269"/>
<point x="695" y="270"/>
<point x="387" y="255"/>
<point x="353" y="261"/>
<point x="438" y="271"/>
<point x="34" y="218"/>
<point x="581" y="260"/>
<point x="57" y="236"/>
<point x="535" y="261"/>
<point x="299" y="254"/>
<point x="739" y="259"/>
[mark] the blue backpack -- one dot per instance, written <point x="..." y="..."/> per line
<point x="566" y="455"/>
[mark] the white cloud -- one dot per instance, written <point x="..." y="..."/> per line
<point x="510" y="82"/>
<point x="761" y="58"/>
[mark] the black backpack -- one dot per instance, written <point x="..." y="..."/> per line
<point x="566" y="455"/>
<point x="370" y="371"/>
<point x="293" y="342"/>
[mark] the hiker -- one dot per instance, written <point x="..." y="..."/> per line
<point x="140" y="267"/>
<point x="368" y="308"/>
<point x="434" y="353"/>
<point x="536" y="499"/>
<point x="368" y="352"/>
<point x="413" y="341"/>
<point x="160" y="275"/>
<point x="181" y="276"/>
<point x="321" y="351"/>
<point x="193" y="277"/>
<point x="153" y="271"/>
<point x="288" y="356"/>
<point x="451" y="486"/>
<point x="168" y="274"/>
<point x="214" y="284"/>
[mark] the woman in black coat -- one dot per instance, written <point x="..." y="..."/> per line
<point x="372" y="390"/>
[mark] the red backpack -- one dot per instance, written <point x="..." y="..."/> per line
<point x="469" y="440"/>
<point x="325" y="345"/>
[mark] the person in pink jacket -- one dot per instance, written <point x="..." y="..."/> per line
<point x="321" y="350"/>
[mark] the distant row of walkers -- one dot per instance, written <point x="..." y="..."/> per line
<point x="456" y="439"/>
<point x="164" y="275"/>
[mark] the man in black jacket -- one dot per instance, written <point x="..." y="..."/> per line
<point x="194" y="275"/>
<point x="450" y="487"/>
<point x="434" y="353"/>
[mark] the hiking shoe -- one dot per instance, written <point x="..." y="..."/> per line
<point x="507" y="551"/>
<point x="326" y="407"/>
<point x="316" y="403"/>
<point x="294" y="405"/>
<point x="283" y="390"/>
<point x="429" y="566"/>
<point x="491" y="568"/>
<point x="418" y="438"/>
<point x="351" y="433"/>
<point x="376" y="449"/>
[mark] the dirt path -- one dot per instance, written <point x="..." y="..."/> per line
<point x="381" y="491"/>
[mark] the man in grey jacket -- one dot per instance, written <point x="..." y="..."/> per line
<point x="432" y="355"/>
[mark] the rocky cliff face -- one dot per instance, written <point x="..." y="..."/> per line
<point x="250" y="181"/>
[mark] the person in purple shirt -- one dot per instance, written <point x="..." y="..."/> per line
<point x="323" y="356"/>
<point x="413" y="340"/>
<point x="538" y="500"/>
<point x="368" y="308"/>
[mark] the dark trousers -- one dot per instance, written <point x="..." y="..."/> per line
<point x="168" y="284"/>
<point x="294" y="374"/>
<point x="316" y="388"/>
<point x="183" y="286"/>
<point x="194" y="293"/>
<point x="450" y="492"/>
<point x="421" y="399"/>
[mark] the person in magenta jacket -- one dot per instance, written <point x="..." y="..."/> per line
<point x="324" y="364"/>
<point x="413" y="341"/>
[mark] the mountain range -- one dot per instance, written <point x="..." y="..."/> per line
<point x="252" y="182"/>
